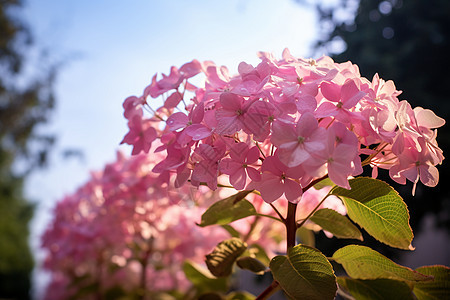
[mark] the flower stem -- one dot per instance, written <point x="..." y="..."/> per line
<point x="312" y="183"/>
<point x="269" y="291"/>
<point x="291" y="226"/>
<point x="312" y="212"/>
<point x="252" y="227"/>
<point x="277" y="211"/>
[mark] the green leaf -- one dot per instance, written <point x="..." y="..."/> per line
<point x="233" y="232"/>
<point x="210" y="296"/>
<point x="240" y="296"/>
<point x="251" y="264"/>
<point x="202" y="280"/>
<point x="378" y="208"/>
<point x="324" y="183"/>
<point x="305" y="273"/>
<point x="228" y="210"/>
<point x="377" y="289"/>
<point x="306" y="236"/>
<point x="258" y="252"/>
<point x="361" y="262"/>
<point x="339" y="225"/>
<point x="438" y="289"/>
<point x="220" y="261"/>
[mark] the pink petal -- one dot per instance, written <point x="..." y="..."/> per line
<point x="245" y="68"/>
<point x="173" y="100"/>
<point x="229" y="166"/>
<point x="337" y="174"/>
<point x="309" y="88"/>
<point x="182" y="176"/>
<point x="252" y="155"/>
<point x="317" y="140"/>
<point x="427" y="118"/>
<point x="344" y="153"/>
<point x="191" y="69"/>
<point x="292" y="191"/>
<point x="205" y="171"/>
<point x="289" y="146"/>
<point x="254" y="174"/>
<point x="238" y="152"/>
<point x="282" y="133"/>
<point x="174" y="159"/>
<point x="238" y="179"/>
<point x="412" y="173"/>
<point x="227" y="124"/>
<point x="270" y="187"/>
<point x="183" y="139"/>
<point x="399" y="143"/>
<point x="177" y="121"/>
<point x="326" y="109"/>
<point x="350" y="93"/>
<point x="374" y="172"/>
<point x="273" y="165"/>
<point x="429" y="175"/>
<point x="356" y="166"/>
<point x="132" y="106"/>
<point x="306" y="124"/>
<point x="198" y="113"/>
<point x="395" y="174"/>
<point x="198" y="131"/>
<point x="293" y="158"/>
<point x="231" y="101"/>
<point x="295" y="172"/>
<point x="306" y="103"/>
<point x="315" y="146"/>
<point x="330" y="90"/>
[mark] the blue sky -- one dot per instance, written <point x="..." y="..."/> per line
<point x="110" y="50"/>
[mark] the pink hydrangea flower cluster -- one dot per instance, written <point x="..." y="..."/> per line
<point x="280" y="125"/>
<point x="121" y="222"/>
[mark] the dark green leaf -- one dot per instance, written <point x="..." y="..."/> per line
<point x="240" y="296"/>
<point x="361" y="262"/>
<point x="202" y="280"/>
<point x="210" y="296"/>
<point x="306" y="236"/>
<point x="305" y="273"/>
<point x="233" y="232"/>
<point x="251" y="264"/>
<point x="258" y="252"/>
<point x="439" y="288"/>
<point x="339" y="225"/>
<point x="378" y="289"/>
<point x="378" y="208"/>
<point x="220" y="261"/>
<point x="324" y="183"/>
<point x="228" y="210"/>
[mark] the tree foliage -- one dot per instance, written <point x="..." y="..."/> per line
<point x="25" y="102"/>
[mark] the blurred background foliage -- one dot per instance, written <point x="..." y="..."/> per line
<point x="407" y="42"/>
<point x="26" y="101"/>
